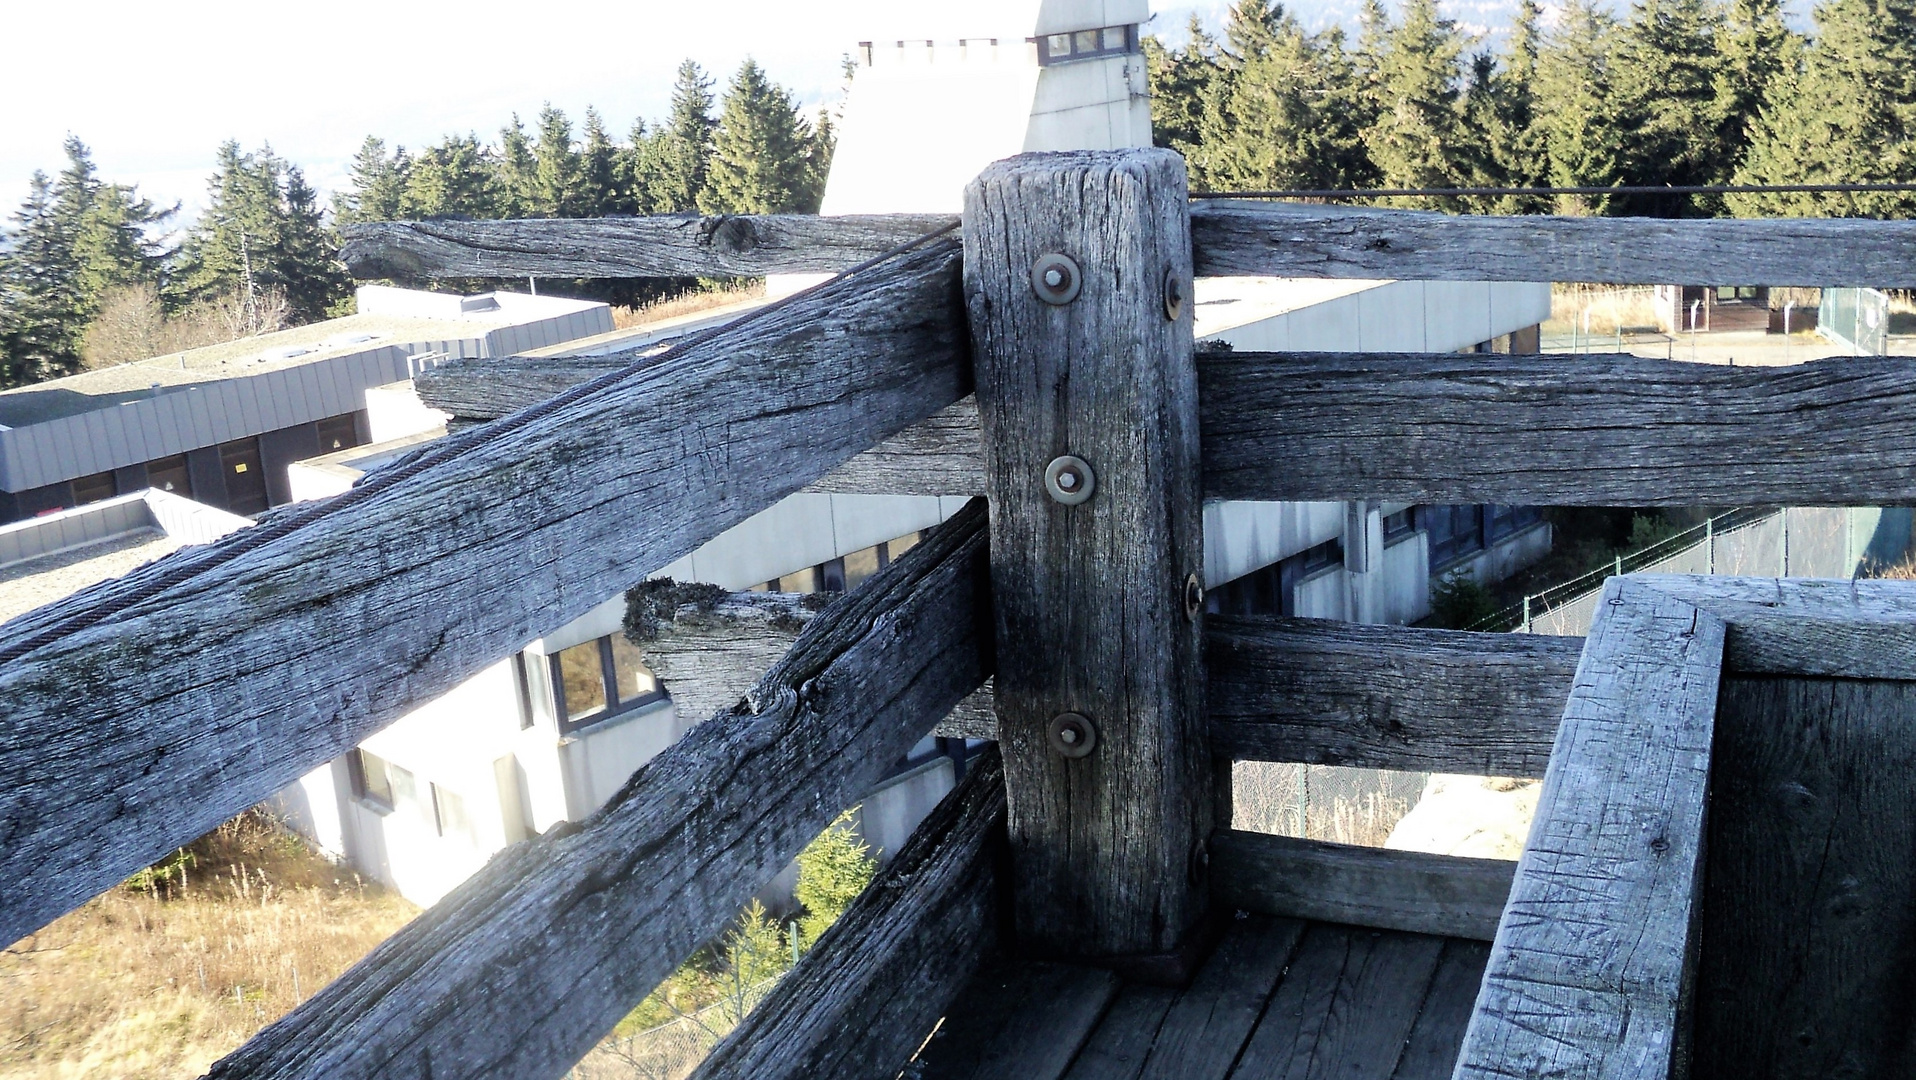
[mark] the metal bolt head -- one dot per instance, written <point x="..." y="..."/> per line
<point x="1173" y="294"/>
<point x="1070" y="480"/>
<point x="1072" y="735"/>
<point x="1055" y="279"/>
<point x="1193" y="596"/>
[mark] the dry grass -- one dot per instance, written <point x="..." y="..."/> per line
<point x="1321" y="802"/>
<point x="687" y="303"/>
<point x="162" y="981"/>
<point x="1611" y="309"/>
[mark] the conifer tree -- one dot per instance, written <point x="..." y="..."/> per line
<point x="1664" y="84"/>
<point x="1847" y="116"/>
<point x="1576" y="111"/>
<point x="1180" y="79"/>
<point x="758" y="150"/>
<point x="39" y="289"/>
<point x="1756" y="48"/>
<point x="1420" y="137"/>
<point x="602" y="184"/>
<point x="261" y="239"/>
<point x="376" y="182"/>
<point x="517" y="181"/>
<point x="556" y="188"/>
<point x="670" y="165"/>
<point x="456" y="178"/>
<point x="1504" y="109"/>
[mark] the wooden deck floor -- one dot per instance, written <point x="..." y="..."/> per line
<point x="1279" y="999"/>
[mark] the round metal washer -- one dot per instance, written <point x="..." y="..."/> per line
<point x="1193" y="596"/>
<point x="1072" y="735"/>
<point x="1173" y="294"/>
<point x="1070" y="480"/>
<point x="1055" y="278"/>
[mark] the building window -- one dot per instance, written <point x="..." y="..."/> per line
<point x="1455" y="531"/>
<point x="1502" y="521"/>
<point x="597" y="679"/>
<point x="449" y="813"/>
<point x="372" y="782"/>
<point x="1328" y="553"/>
<point x="170" y="474"/>
<point x="1399" y="525"/>
<point x="1087" y="44"/>
<point x="92" y="489"/>
<point x="846" y="572"/>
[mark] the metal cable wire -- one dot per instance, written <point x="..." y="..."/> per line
<point x="1689" y="189"/>
<point x="165" y="577"/>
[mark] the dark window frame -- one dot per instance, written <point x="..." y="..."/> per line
<point x="608" y="673"/>
<point x="360" y="779"/>
<point x="1070" y="52"/>
<point x="522" y="683"/>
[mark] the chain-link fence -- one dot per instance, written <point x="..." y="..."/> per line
<point x="1858" y="318"/>
<point x="673" y="1049"/>
<point x="1322" y="802"/>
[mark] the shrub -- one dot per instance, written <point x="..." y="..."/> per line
<point x="1457" y="602"/>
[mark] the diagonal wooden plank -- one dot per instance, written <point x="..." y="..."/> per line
<point x="1593" y="955"/>
<point x="1234" y="239"/>
<point x="142" y="713"/>
<point x="662" y="245"/>
<point x="1556" y="430"/>
<point x="860" y="1003"/>
<point x="1345" y="1007"/>
<point x="1374" y="887"/>
<point x="520" y="970"/>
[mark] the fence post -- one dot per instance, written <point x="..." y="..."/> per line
<point x="1709" y="545"/>
<point x="1078" y="284"/>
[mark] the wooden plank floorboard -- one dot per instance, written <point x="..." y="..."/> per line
<point x="1431" y="1052"/>
<point x="1123" y="1040"/>
<point x="1346" y="1006"/>
<point x="1018" y="1021"/>
<point x="1213" y="1017"/>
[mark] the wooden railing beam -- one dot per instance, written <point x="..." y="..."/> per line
<point x="521" y="969"/>
<point x="142" y="713"/>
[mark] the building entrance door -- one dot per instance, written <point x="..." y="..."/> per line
<point x="245" y="476"/>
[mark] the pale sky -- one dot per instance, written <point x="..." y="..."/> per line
<point x="153" y="89"/>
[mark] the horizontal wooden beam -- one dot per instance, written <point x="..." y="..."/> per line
<point x="1585" y="430"/>
<point x="1252" y="239"/>
<point x="524" y="967"/>
<point x="1363" y="886"/>
<point x="1385" y="697"/>
<point x="1806" y="627"/>
<point x="142" y="713"/>
<point x="860" y="1004"/>
<point x="665" y="245"/>
<point x="1594" y="954"/>
<point x="1557" y="430"/>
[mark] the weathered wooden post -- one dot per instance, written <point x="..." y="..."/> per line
<point x="1078" y="283"/>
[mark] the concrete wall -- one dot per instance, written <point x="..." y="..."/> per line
<point x="1350" y="316"/>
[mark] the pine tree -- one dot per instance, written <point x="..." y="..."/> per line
<point x="1284" y="109"/>
<point x="602" y="185"/>
<point x="1505" y="109"/>
<point x="670" y="165"/>
<point x="1420" y="137"/>
<point x="1181" y="79"/>
<point x="556" y="168"/>
<point x="517" y="180"/>
<point x="40" y="336"/>
<point x="1847" y="116"/>
<point x="377" y="184"/>
<point x="1574" y="106"/>
<point x="453" y="179"/>
<point x="832" y="870"/>
<point x="1664" y="100"/>
<point x="305" y="261"/>
<point x="1756" y="48"/>
<point x="261" y="242"/>
<point x="758" y="151"/>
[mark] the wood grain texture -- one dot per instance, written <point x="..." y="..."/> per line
<point x="664" y="245"/>
<point x="1385" y="697"/>
<point x="288" y="643"/>
<point x="1018" y="1019"/>
<point x="1445" y="895"/>
<point x="1213" y="1018"/>
<point x="1089" y="597"/>
<point x="1591" y="957"/>
<point x="1555" y="430"/>
<point x="1806" y="626"/>
<point x="1124" y="1037"/>
<point x="521" y="969"/>
<point x="1236" y="239"/>
<point x="862" y="1001"/>
<point x="711" y="653"/>
<point x="1809" y="906"/>
<point x="1345" y="1008"/>
<point x="1430" y="1053"/>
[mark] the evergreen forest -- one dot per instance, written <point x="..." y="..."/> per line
<point x="1663" y="93"/>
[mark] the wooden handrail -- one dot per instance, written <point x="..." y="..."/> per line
<point x="521" y="969"/>
<point x="142" y="713"/>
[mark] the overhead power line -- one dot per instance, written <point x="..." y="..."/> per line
<point x="1688" y="189"/>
